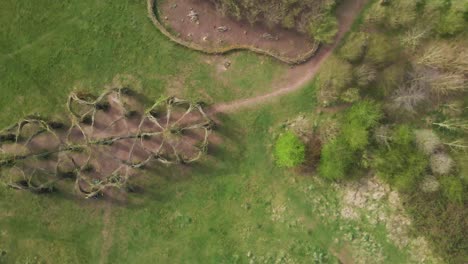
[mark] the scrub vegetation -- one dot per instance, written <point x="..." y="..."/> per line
<point x="409" y="57"/>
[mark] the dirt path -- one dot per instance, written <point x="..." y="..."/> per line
<point x="300" y="75"/>
<point x="106" y="233"/>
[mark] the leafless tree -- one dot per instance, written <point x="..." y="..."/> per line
<point x="410" y="94"/>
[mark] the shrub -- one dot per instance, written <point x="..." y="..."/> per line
<point x="382" y="50"/>
<point x="413" y="37"/>
<point x="335" y="74"/>
<point x="395" y="14"/>
<point x="365" y="113"/>
<point x="403" y="136"/>
<point x="430" y="184"/>
<point x="338" y="155"/>
<point x="364" y="75"/>
<point x="354" y="48"/>
<point x="441" y="164"/>
<point x="453" y="189"/>
<point x="335" y="160"/>
<point x="376" y="14"/>
<point x="382" y="135"/>
<point x="334" y="77"/>
<point x="351" y="95"/>
<point x="355" y="136"/>
<point x="289" y="150"/>
<point x="324" y="29"/>
<point x="401" y="14"/>
<point x="390" y="79"/>
<point x="453" y="22"/>
<point x="357" y="122"/>
<point x="427" y="141"/>
<point x="401" y="165"/>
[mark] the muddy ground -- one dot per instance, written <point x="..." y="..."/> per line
<point x="199" y="22"/>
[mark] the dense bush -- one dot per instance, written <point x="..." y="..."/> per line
<point x="334" y="77"/>
<point x="335" y="160"/>
<point x="427" y="141"/>
<point x="354" y="48"/>
<point x="364" y="75"/>
<point x="382" y="49"/>
<point x="357" y="122"/>
<point x="401" y="14"/>
<point x="453" y="21"/>
<point x="453" y="189"/>
<point x="339" y="154"/>
<point x="402" y="164"/>
<point x="375" y="15"/>
<point x="289" y="150"/>
<point x="441" y="164"/>
<point x="429" y="184"/>
<point x="390" y="79"/>
<point x="324" y="29"/>
<point x="395" y="15"/>
<point x="351" y="95"/>
<point x="335" y="74"/>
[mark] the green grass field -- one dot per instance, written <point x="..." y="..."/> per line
<point x="233" y="207"/>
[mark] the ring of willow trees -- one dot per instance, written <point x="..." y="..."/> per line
<point x="106" y="141"/>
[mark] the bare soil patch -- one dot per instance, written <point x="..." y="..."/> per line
<point x="198" y="22"/>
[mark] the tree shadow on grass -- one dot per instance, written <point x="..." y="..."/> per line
<point x="224" y="149"/>
<point x="312" y="155"/>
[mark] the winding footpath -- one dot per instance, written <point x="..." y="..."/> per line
<point x="347" y="13"/>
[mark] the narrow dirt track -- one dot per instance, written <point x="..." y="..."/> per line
<point x="302" y="74"/>
<point x="106" y="234"/>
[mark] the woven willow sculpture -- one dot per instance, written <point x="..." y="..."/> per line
<point x="107" y="140"/>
